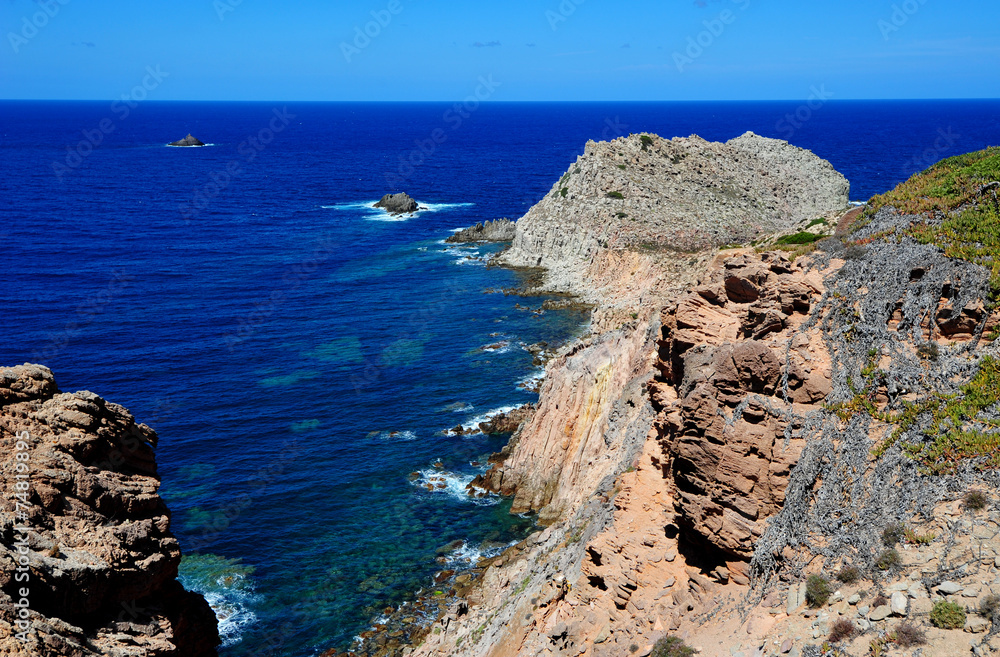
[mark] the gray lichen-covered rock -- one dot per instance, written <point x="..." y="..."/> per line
<point x="653" y="195"/>
<point x="498" y="230"/>
<point x="397" y="203"/>
<point x="91" y="533"/>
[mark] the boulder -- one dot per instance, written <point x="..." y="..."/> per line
<point x="498" y="230"/>
<point x="190" y="140"/>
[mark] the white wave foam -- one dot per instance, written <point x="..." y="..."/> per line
<point x="378" y="214"/>
<point x="396" y="436"/>
<point x="532" y="380"/>
<point x="469" y="555"/>
<point x="202" y="146"/>
<point x="452" y="484"/>
<point x="473" y="424"/>
<point x="231" y="604"/>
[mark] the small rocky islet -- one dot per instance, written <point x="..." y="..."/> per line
<point x="190" y="140"/>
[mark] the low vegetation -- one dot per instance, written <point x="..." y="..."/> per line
<point x="796" y="239"/>
<point x="849" y="574"/>
<point x="948" y="615"/>
<point x="975" y="500"/>
<point x="888" y="560"/>
<point x="842" y="629"/>
<point x="671" y="646"/>
<point x="908" y="635"/>
<point x="616" y="195"/>
<point x="989" y="608"/>
<point x="893" y="534"/>
<point x="818" y="591"/>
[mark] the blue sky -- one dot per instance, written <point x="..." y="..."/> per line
<point x="539" y="50"/>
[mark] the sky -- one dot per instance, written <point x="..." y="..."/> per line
<point x="506" y="50"/>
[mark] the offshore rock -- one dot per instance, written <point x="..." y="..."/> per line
<point x="397" y="204"/>
<point x="102" y="563"/>
<point x="190" y="140"/>
<point x="498" y="230"/>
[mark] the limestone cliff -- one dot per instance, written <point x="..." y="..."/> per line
<point x="93" y="547"/>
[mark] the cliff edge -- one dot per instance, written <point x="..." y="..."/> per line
<point x="88" y="565"/>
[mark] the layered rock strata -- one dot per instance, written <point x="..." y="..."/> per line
<point x="90" y="537"/>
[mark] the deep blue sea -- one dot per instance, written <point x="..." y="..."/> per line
<point x="300" y="353"/>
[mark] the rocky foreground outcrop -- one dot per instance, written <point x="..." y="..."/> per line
<point x="88" y="565"/>
<point x="190" y="140"/>
<point x="496" y="230"/>
<point x="397" y="204"/>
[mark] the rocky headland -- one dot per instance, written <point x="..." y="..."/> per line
<point x="190" y="140"/>
<point x="496" y="230"/>
<point x="88" y="565"/>
<point x="786" y="448"/>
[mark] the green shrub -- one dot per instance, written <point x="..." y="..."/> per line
<point x="563" y="192"/>
<point x="647" y="141"/>
<point x="975" y="500"/>
<point x="798" y="238"/>
<point x="888" y="560"/>
<point x="893" y="534"/>
<point x="928" y="351"/>
<point x="818" y="590"/>
<point x="948" y="615"/>
<point x="671" y="646"/>
<point x="622" y="167"/>
<point x="617" y="195"/>
<point x="849" y="574"/>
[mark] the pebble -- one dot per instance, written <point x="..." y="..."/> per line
<point x="786" y="646"/>
<point x="976" y="624"/>
<point x="854" y="599"/>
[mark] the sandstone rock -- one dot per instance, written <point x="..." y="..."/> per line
<point x="98" y="531"/>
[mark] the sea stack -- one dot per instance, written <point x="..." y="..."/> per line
<point x="190" y="140"/>
<point x="397" y="204"/>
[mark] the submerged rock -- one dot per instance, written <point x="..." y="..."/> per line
<point x="498" y="230"/>
<point x="190" y="140"/>
<point x="398" y="204"/>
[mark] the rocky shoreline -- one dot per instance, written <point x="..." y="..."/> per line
<point x="694" y="461"/>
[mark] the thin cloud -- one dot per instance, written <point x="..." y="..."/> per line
<point x="627" y="45"/>
<point x="530" y="45"/>
<point x="573" y="54"/>
<point x="488" y="44"/>
<point x="85" y="44"/>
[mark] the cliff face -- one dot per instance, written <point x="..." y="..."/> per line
<point x="738" y="422"/>
<point x="657" y="198"/>
<point x="96" y="548"/>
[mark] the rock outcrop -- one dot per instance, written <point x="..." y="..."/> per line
<point x="190" y="140"/>
<point x="655" y="199"/>
<point x="85" y="531"/>
<point x="497" y="230"/>
<point x="397" y="204"/>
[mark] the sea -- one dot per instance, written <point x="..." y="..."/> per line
<point x="301" y="354"/>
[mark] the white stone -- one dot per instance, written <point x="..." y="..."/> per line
<point x="898" y="603"/>
<point x="854" y="599"/>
